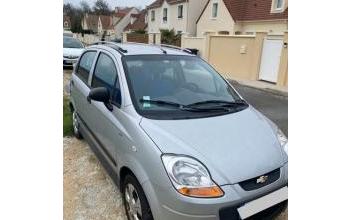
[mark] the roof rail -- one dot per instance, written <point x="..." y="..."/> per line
<point x="177" y="48"/>
<point x="118" y="47"/>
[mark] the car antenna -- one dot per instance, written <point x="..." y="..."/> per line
<point x="164" y="51"/>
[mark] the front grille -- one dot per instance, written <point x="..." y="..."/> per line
<point x="253" y="183"/>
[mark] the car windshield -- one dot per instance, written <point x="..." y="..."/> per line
<point x="70" y="42"/>
<point x="164" y="86"/>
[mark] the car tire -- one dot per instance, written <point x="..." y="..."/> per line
<point x="76" y="125"/>
<point x="134" y="199"/>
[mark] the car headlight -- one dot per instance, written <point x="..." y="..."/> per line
<point x="190" y="177"/>
<point x="282" y="140"/>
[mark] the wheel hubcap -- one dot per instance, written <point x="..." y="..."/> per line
<point x="133" y="204"/>
<point x="75" y="122"/>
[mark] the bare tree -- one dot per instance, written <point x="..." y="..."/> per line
<point x="101" y="7"/>
<point x="68" y="9"/>
<point x="85" y="7"/>
<point x="75" y="15"/>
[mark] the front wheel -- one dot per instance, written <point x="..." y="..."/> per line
<point x="136" y="204"/>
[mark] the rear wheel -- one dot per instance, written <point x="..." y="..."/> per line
<point x="136" y="204"/>
<point x="75" y="124"/>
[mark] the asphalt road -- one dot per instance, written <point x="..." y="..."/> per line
<point x="272" y="105"/>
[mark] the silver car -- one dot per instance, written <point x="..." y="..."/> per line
<point x="175" y="136"/>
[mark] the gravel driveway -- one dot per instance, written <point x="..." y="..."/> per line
<point x="89" y="193"/>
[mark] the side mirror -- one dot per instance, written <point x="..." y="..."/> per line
<point x="100" y="94"/>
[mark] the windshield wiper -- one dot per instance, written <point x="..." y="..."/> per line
<point x="220" y="103"/>
<point x="160" y="102"/>
<point x="180" y="106"/>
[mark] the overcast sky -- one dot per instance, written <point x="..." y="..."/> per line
<point x="113" y="3"/>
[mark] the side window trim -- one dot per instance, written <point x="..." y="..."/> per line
<point x="118" y="72"/>
<point x="90" y="71"/>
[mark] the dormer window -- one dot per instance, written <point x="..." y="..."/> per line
<point x="277" y="6"/>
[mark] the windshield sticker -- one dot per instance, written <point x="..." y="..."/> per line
<point x="146" y="104"/>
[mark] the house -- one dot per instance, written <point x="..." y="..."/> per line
<point x="90" y="23"/>
<point x="138" y="22"/>
<point x="243" y="17"/>
<point x="121" y="18"/>
<point x="122" y="10"/>
<point x="180" y="15"/>
<point x="119" y="13"/>
<point x="98" y="24"/>
<point x="105" y="25"/>
<point x="67" y="22"/>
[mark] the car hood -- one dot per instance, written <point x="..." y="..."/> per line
<point x="73" y="51"/>
<point x="234" y="147"/>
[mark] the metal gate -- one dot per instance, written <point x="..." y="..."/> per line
<point x="270" y="61"/>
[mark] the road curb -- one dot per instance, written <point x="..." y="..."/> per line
<point x="272" y="91"/>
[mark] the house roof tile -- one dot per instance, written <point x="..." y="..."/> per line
<point x="248" y="10"/>
<point x="251" y="10"/>
<point x="140" y="22"/>
<point x="92" y="21"/>
<point x="123" y="10"/>
<point x="121" y="13"/>
<point x="106" y="22"/>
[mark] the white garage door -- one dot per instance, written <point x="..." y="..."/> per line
<point x="269" y="67"/>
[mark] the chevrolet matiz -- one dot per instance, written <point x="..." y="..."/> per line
<point x="175" y="136"/>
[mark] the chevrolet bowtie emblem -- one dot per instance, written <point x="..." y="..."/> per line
<point x="262" y="179"/>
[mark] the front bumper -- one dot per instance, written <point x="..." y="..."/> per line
<point x="69" y="62"/>
<point x="169" y="204"/>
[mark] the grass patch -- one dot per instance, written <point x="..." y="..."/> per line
<point x="67" y="117"/>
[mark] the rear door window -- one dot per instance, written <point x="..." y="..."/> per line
<point x="85" y="65"/>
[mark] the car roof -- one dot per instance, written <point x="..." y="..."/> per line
<point x="141" y="49"/>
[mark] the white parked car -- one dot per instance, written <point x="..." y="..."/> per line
<point x="73" y="48"/>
